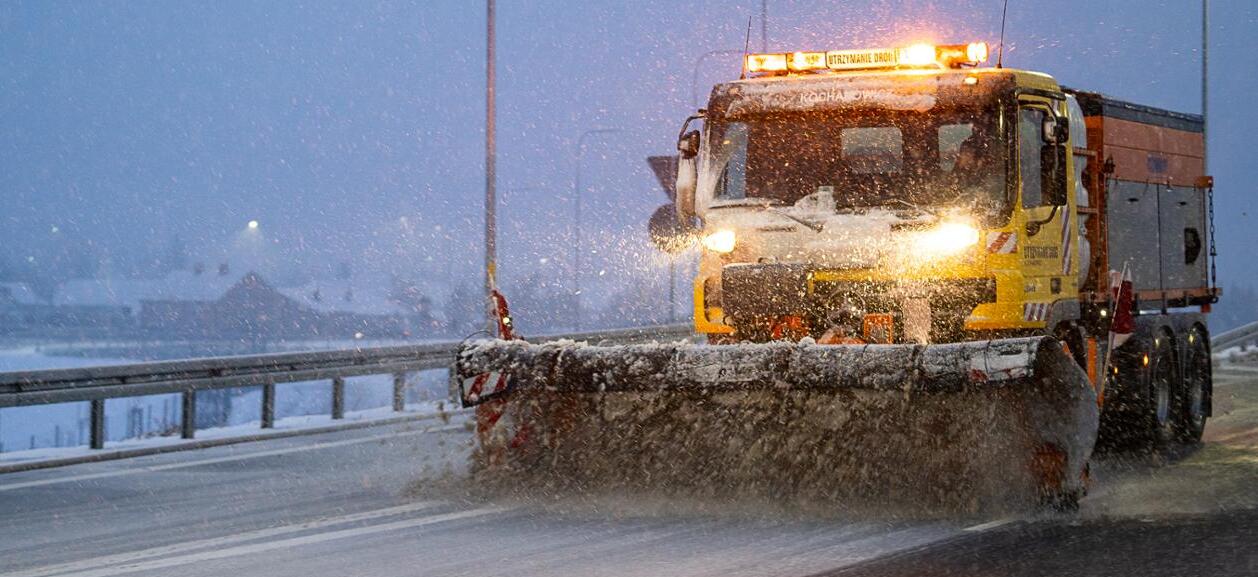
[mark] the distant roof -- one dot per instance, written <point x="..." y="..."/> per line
<point x="178" y="285"/>
<point x="360" y="295"/>
<point x="19" y="293"/>
<point x="367" y="296"/>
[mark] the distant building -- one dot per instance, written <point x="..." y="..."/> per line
<point x="126" y="292"/>
<point x="16" y="294"/>
<point x="375" y="307"/>
<point x="203" y="305"/>
<point x="249" y="308"/>
<point x="254" y="309"/>
<point x="24" y="314"/>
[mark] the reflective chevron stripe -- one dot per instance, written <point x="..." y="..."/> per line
<point x="484" y="385"/>
<point x="1067" y="240"/>
<point x="1035" y="312"/>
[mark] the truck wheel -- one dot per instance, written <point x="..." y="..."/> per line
<point x="1197" y="383"/>
<point x="1162" y="408"/>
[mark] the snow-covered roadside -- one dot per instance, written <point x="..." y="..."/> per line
<point x="253" y="430"/>
<point x="31" y="358"/>
<point x="1237" y="355"/>
<point x="63" y="427"/>
<point x="54" y="425"/>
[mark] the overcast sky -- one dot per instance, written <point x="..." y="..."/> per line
<point x="128" y="123"/>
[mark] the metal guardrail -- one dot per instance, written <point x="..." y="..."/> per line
<point x="1237" y="337"/>
<point x="186" y="377"/>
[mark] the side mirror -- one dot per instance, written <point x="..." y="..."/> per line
<point x="688" y="140"/>
<point x="688" y="144"/>
<point x="688" y="168"/>
<point x="670" y="233"/>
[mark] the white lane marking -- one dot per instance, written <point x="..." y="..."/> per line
<point x="254" y="455"/>
<point x="286" y="543"/>
<point x="990" y="525"/>
<point x="214" y="542"/>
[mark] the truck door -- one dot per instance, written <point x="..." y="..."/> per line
<point x="1048" y="249"/>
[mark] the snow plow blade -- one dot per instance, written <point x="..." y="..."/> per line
<point x="954" y="425"/>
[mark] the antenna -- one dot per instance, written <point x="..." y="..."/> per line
<point x="746" y="48"/>
<point x="1000" y="51"/>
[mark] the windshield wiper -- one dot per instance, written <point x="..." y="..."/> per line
<point x="915" y="207"/>
<point x="815" y="226"/>
<point x="768" y="205"/>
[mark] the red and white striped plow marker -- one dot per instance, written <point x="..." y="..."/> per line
<point x="1002" y="242"/>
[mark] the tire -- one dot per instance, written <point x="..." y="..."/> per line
<point x="1162" y="408"/>
<point x="1195" y="391"/>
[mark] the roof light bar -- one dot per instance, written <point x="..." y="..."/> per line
<point x="976" y="52"/>
<point x="918" y="55"/>
<point x="766" y="63"/>
<point x="915" y="56"/>
<point x="808" y="61"/>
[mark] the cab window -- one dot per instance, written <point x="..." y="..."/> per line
<point x="1029" y="166"/>
<point x="873" y="150"/>
<point x="951" y="138"/>
<point x="1041" y="164"/>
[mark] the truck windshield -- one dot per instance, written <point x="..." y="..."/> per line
<point x="871" y="157"/>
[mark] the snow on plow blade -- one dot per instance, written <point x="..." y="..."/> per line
<point x="961" y="424"/>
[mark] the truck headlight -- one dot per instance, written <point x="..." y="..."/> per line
<point x="721" y="241"/>
<point x="948" y="238"/>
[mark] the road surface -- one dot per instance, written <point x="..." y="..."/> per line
<point x="345" y="504"/>
<point x="358" y="503"/>
<point x="1195" y="516"/>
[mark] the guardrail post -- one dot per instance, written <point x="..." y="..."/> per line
<point x="268" y="406"/>
<point x="189" y="425"/>
<point x="399" y="392"/>
<point x="97" y="423"/>
<point x="338" y="398"/>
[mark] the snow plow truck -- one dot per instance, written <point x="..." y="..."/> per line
<point x="920" y="279"/>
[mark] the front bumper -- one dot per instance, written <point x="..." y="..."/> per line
<point x="752" y="293"/>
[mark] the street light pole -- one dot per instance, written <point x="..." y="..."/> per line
<point x="1205" y="86"/>
<point x="576" y="196"/>
<point x="491" y="224"/>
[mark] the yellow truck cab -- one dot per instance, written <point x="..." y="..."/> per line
<point x="900" y="191"/>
